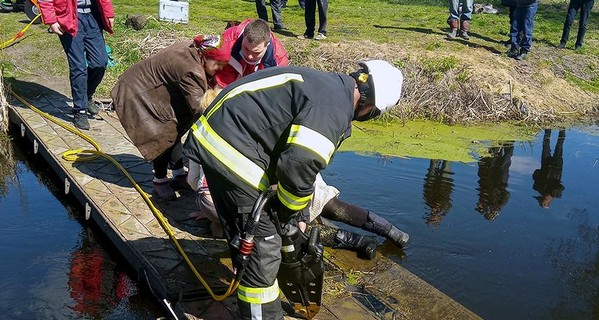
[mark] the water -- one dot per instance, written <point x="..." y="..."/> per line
<point x="54" y="265"/>
<point x="478" y="233"/>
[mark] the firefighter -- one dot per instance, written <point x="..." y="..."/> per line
<point x="279" y="126"/>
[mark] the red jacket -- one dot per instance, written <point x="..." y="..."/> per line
<point x="65" y="13"/>
<point x="275" y="55"/>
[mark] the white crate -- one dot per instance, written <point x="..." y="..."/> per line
<point x="173" y="11"/>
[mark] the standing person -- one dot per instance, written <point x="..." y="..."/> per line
<point x="585" y="7"/>
<point x="79" y="25"/>
<point x="254" y="47"/>
<point x="464" y="18"/>
<point x="279" y="126"/>
<point x="522" y="28"/>
<point x="310" y="19"/>
<point x="548" y="178"/>
<point x="158" y="99"/>
<point x="275" y="8"/>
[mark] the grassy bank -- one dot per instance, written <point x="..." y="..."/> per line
<point x="448" y="81"/>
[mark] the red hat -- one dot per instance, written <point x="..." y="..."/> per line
<point x="213" y="47"/>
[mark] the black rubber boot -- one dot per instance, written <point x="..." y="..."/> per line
<point x="382" y="227"/>
<point x="365" y="246"/>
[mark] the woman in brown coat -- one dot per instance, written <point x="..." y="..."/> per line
<point x="158" y="99"/>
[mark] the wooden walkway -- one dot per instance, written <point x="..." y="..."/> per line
<point x="109" y="199"/>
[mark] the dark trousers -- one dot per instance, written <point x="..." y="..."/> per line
<point x="522" y="27"/>
<point x="310" y="17"/>
<point x="585" y="7"/>
<point x="173" y="156"/>
<point x="87" y="57"/>
<point x="275" y="8"/>
<point x="233" y="206"/>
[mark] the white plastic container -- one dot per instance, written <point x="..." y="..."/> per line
<point x="173" y="11"/>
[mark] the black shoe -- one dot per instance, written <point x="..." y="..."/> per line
<point x="561" y="46"/>
<point x="80" y="121"/>
<point x="92" y="107"/>
<point x="365" y="246"/>
<point x="576" y="48"/>
<point x="513" y="53"/>
<point x="521" y="56"/>
<point x="280" y="28"/>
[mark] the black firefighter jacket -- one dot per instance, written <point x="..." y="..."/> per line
<point x="158" y="98"/>
<point x="276" y="126"/>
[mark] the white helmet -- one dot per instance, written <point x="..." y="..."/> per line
<point x="379" y="83"/>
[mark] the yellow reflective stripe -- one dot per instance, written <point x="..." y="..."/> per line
<point x="243" y="167"/>
<point x="312" y="140"/>
<point x="256" y="85"/>
<point x="291" y="201"/>
<point x="258" y="295"/>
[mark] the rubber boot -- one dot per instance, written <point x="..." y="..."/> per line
<point x="382" y="227"/>
<point x="453" y="28"/>
<point x="464" y="29"/>
<point x="365" y="246"/>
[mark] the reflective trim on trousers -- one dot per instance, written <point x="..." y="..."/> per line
<point x="258" y="296"/>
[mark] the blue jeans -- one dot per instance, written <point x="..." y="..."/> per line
<point x="585" y="7"/>
<point x="275" y="8"/>
<point x="467" y="7"/>
<point x="523" y="24"/>
<point x="87" y="57"/>
<point x="310" y="16"/>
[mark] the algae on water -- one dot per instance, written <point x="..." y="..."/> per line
<point x="431" y="140"/>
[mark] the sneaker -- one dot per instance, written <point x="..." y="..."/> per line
<point x="521" y="56"/>
<point x="303" y="37"/>
<point x="561" y="46"/>
<point x="464" y="35"/>
<point x="280" y="28"/>
<point x="576" y="48"/>
<point x="320" y="36"/>
<point x="164" y="190"/>
<point x="92" y="107"/>
<point x="80" y="121"/>
<point x="513" y="53"/>
<point x="452" y="34"/>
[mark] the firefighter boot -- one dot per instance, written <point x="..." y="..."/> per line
<point x="464" y="29"/>
<point x="382" y="227"/>
<point x="453" y="28"/>
<point x="365" y="246"/>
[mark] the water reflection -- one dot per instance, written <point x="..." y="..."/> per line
<point x="493" y="174"/>
<point x="438" y="186"/>
<point x="95" y="283"/>
<point x="547" y="179"/>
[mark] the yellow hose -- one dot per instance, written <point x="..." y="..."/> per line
<point x="18" y="34"/>
<point x="89" y="155"/>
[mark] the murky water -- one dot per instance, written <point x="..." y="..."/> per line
<point x="483" y="233"/>
<point x="55" y="266"/>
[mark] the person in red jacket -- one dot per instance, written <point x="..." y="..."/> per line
<point x="79" y="25"/>
<point x="254" y="48"/>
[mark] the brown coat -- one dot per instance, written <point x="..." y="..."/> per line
<point x="158" y="98"/>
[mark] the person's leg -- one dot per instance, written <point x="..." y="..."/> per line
<point x="515" y="31"/>
<point x="96" y="55"/>
<point x="75" y="50"/>
<point x="571" y="13"/>
<point x="323" y="7"/>
<point x="465" y="17"/>
<point x="585" y="10"/>
<point x="310" y="18"/>
<point x="277" y="19"/>
<point x="529" y="20"/>
<point x="261" y="9"/>
<point x="452" y="20"/>
<point x="356" y="216"/>
<point x="258" y="292"/>
<point x="161" y="184"/>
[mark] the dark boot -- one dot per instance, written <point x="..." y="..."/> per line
<point x="453" y="28"/>
<point x="464" y="29"/>
<point x="365" y="246"/>
<point x="382" y="227"/>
